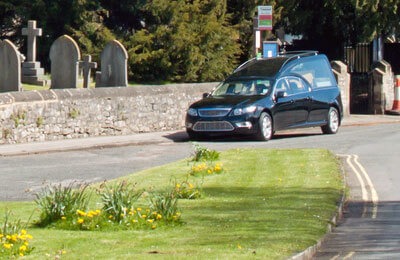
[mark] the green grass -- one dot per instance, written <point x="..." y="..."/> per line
<point x="268" y="204"/>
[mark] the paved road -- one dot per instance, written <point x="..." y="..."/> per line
<point x="369" y="230"/>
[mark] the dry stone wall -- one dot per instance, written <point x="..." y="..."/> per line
<point x="78" y="113"/>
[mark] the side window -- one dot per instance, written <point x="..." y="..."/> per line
<point x="296" y="85"/>
<point x="316" y="71"/>
<point x="291" y="85"/>
<point x="282" y="85"/>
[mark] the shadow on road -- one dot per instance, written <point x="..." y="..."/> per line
<point x="182" y="136"/>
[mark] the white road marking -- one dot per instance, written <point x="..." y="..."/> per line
<point x="359" y="177"/>
<point x="366" y="189"/>
<point x="361" y="174"/>
<point x="374" y="194"/>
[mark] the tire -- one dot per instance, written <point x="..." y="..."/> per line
<point x="265" y="129"/>
<point x="332" y="126"/>
<point x="193" y="136"/>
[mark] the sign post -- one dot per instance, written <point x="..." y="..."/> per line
<point x="262" y="22"/>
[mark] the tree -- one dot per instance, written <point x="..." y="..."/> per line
<point x="11" y="19"/>
<point x="188" y="41"/>
<point x="125" y="16"/>
<point x="243" y="13"/>
<point x="340" y="21"/>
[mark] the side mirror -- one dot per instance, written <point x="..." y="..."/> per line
<point x="280" y="94"/>
<point x="206" y="95"/>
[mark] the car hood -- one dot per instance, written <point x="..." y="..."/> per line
<point x="226" y="101"/>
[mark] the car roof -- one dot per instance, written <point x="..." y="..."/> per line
<point x="268" y="67"/>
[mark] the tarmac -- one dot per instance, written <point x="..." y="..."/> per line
<point x="150" y="138"/>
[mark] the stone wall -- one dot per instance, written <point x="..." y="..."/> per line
<point x="77" y="113"/>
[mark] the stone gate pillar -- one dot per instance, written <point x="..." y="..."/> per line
<point x="343" y="80"/>
<point x="381" y="88"/>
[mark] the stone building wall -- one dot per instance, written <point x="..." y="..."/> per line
<point x="46" y="115"/>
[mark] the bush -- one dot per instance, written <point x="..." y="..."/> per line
<point x="56" y="202"/>
<point x="14" y="239"/>
<point x="187" y="190"/>
<point x="118" y="199"/>
<point x="202" y="154"/>
<point x="166" y="204"/>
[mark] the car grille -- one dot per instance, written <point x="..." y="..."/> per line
<point x="215" y="126"/>
<point x="214" y="112"/>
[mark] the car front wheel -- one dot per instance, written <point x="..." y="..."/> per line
<point x="333" y="122"/>
<point x="265" y="130"/>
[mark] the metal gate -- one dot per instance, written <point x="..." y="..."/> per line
<point x="359" y="60"/>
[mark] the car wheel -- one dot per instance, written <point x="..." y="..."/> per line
<point x="265" y="130"/>
<point x="193" y="135"/>
<point x="333" y="122"/>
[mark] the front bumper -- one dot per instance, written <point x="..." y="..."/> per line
<point x="235" y="125"/>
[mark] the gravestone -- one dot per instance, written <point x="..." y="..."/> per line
<point x="32" y="73"/>
<point x="86" y="65"/>
<point x="64" y="57"/>
<point x="114" y="68"/>
<point x="10" y="67"/>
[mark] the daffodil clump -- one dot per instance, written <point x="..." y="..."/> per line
<point x="15" y="245"/>
<point x="204" y="162"/>
<point x="206" y="168"/>
<point x="134" y="218"/>
<point x="187" y="190"/>
<point x="146" y="218"/>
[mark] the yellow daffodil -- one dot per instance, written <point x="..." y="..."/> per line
<point x="81" y="213"/>
<point x="80" y="220"/>
<point x="14" y="238"/>
<point x="7" y="245"/>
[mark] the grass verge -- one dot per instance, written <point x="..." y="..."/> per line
<point x="268" y="204"/>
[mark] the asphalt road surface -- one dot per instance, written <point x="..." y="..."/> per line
<point x="371" y="225"/>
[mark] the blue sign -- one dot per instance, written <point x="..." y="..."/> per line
<point x="270" y="49"/>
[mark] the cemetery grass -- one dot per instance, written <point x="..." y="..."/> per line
<point x="266" y="204"/>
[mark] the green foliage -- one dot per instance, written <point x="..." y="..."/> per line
<point x="204" y="154"/>
<point x="19" y="118"/>
<point x="57" y="201"/>
<point x="188" y="42"/>
<point x="166" y="203"/>
<point x="337" y="21"/>
<point x="118" y="199"/>
<point x="14" y="239"/>
<point x="187" y="190"/>
<point x="74" y="113"/>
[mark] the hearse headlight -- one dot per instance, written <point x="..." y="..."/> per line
<point x="192" y="112"/>
<point x="245" y="110"/>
